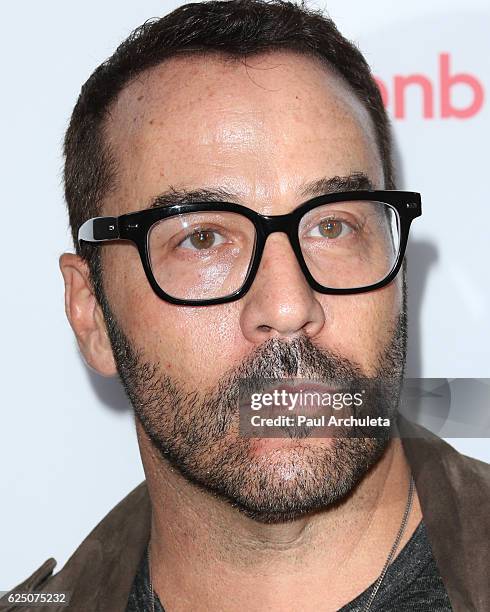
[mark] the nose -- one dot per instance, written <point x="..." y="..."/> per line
<point x="280" y="301"/>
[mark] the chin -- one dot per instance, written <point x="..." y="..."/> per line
<point x="285" y="479"/>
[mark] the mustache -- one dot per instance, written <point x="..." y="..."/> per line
<point x="296" y="358"/>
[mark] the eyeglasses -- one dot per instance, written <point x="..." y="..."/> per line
<point x="208" y="253"/>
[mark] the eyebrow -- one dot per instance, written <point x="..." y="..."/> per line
<point x="356" y="181"/>
<point x="191" y="196"/>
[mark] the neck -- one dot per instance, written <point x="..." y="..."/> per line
<point x="207" y="555"/>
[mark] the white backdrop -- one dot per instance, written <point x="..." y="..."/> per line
<point x="68" y="450"/>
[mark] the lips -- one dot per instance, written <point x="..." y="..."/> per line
<point x="300" y="395"/>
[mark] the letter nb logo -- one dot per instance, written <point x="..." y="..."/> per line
<point x="436" y="102"/>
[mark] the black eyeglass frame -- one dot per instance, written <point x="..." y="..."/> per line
<point x="136" y="226"/>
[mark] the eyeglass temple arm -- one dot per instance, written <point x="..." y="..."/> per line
<point x="99" y="229"/>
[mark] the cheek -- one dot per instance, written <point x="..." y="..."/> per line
<point x="361" y="326"/>
<point x="208" y="340"/>
<point x="195" y="345"/>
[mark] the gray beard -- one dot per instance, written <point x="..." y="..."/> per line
<point x="197" y="432"/>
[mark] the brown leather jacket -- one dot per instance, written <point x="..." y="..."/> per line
<point x="454" y="493"/>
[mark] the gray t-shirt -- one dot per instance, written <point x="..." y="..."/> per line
<point x="411" y="584"/>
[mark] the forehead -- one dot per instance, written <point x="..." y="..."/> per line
<point x="260" y="128"/>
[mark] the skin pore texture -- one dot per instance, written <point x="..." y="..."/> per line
<point x="295" y="524"/>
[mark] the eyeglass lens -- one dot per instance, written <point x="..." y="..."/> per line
<point x="208" y="254"/>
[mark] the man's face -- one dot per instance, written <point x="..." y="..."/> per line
<point x="262" y="131"/>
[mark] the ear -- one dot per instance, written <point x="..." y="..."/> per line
<point x="85" y="315"/>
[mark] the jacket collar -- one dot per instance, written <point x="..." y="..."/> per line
<point x="454" y="493"/>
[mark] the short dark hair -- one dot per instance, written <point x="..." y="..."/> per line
<point x="234" y="28"/>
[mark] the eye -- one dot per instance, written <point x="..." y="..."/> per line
<point x="202" y="239"/>
<point x="331" y="228"/>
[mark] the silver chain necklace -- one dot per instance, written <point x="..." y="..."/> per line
<point x="396" y="543"/>
<point x="378" y="582"/>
